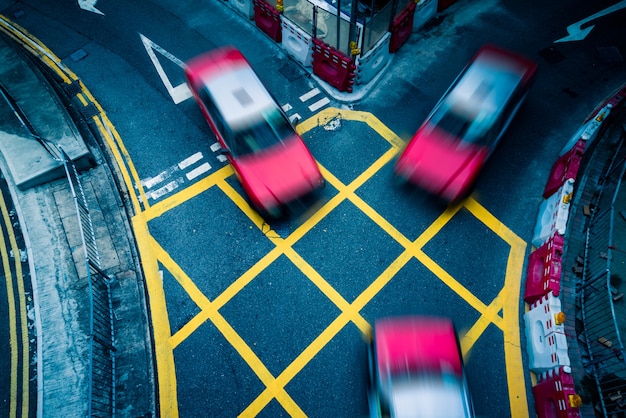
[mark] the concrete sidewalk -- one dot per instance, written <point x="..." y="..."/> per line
<point x="48" y="218"/>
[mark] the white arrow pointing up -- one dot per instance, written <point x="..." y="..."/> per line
<point x="577" y="33"/>
<point x="90" y="6"/>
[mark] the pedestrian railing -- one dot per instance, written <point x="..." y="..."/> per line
<point x="101" y="324"/>
<point x="601" y="300"/>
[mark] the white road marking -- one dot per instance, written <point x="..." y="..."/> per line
<point x="198" y="171"/>
<point x="575" y="30"/>
<point x="168" y="188"/>
<point x="90" y="6"/>
<point x="216" y="147"/>
<point x="179" y="93"/>
<point x="165" y="175"/>
<point x="294" y="118"/>
<point x="287" y="107"/>
<point x="221" y="158"/>
<point x="149" y="183"/>
<point x="190" y="160"/>
<point x="320" y="103"/>
<point x="310" y="94"/>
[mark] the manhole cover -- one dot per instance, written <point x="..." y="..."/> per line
<point x="291" y="72"/>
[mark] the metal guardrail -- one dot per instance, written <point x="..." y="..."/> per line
<point x="606" y="362"/>
<point x="101" y="324"/>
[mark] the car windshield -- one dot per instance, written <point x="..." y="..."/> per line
<point x="270" y="129"/>
<point x="426" y="396"/>
<point x="475" y="103"/>
<point x="468" y="125"/>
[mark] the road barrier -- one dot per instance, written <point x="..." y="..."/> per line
<point x="401" y="28"/>
<point x="425" y="10"/>
<point x="370" y="64"/>
<point x="545" y="334"/>
<point x="332" y="66"/>
<point x="553" y="214"/>
<point x="555" y="395"/>
<point x="297" y="42"/>
<point x="544" y="269"/>
<point x="566" y="167"/>
<point x="547" y="345"/>
<point x="267" y="19"/>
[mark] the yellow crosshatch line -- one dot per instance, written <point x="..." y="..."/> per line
<point x="506" y="302"/>
<point x="502" y="311"/>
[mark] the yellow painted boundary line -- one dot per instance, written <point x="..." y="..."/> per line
<point x="507" y="301"/>
<point x="24" y="381"/>
<point x="105" y="127"/>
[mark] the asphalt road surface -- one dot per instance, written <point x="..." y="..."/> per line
<point x="270" y="319"/>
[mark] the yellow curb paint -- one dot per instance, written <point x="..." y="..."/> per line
<point x="166" y="370"/>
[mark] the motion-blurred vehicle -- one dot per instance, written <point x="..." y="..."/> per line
<point x="271" y="161"/>
<point x="450" y="148"/>
<point x="416" y="369"/>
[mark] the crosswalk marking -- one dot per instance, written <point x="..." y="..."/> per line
<point x="172" y="177"/>
<point x="319" y="104"/>
<point x="190" y="160"/>
<point x="310" y="94"/>
<point x="198" y="171"/>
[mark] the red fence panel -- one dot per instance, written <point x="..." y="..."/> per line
<point x="544" y="269"/>
<point x="566" y="167"/>
<point x="267" y="19"/>
<point x="402" y="27"/>
<point x="333" y="67"/>
<point x="555" y="396"/>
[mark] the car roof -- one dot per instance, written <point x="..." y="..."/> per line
<point x="235" y="88"/>
<point x="486" y="85"/>
<point x="416" y="343"/>
<point x="239" y="95"/>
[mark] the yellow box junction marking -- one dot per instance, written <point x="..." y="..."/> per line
<point x="152" y="254"/>
<point x="502" y="311"/>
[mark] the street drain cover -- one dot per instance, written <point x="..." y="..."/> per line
<point x="291" y="72"/>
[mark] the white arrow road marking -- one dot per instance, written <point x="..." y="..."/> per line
<point x="577" y="33"/>
<point x="90" y="6"/>
<point x="179" y="93"/>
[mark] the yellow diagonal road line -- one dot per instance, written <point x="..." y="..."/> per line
<point x="502" y="311"/>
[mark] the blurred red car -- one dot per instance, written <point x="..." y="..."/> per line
<point x="270" y="160"/>
<point x="416" y="370"/>
<point x="448" y="151"/>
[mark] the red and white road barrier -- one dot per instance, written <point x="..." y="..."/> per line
<point x="545" y="335"/>
<point x="544" y="269"/>
<point x="553" y="214"/>
<point x="554" y="394"/>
